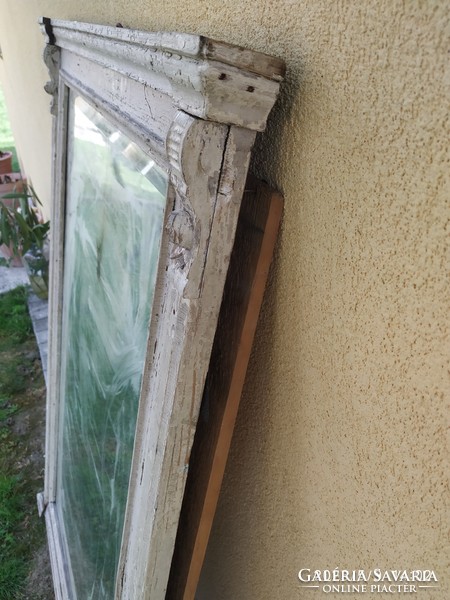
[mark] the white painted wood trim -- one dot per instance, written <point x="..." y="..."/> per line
<point x="155" y="87"/>
<point x="58" y="560"/>
<point x="188" y="307"/>
<point x="55" y="293"/>
<point x="183" y="44"/>
<point x="208" y="79"/>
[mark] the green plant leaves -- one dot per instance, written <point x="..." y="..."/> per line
<point x="21" y="228"/>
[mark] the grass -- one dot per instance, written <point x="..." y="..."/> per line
<point x="21" y="390"/>
<point x="12" y="567"/>
<point x="15" y="323"/>
<point x="6" y="136"/>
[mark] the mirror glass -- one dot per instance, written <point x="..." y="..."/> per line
<point x="115" y="203"/>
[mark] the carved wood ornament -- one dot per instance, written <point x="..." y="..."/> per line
<point x="194" y="106"/>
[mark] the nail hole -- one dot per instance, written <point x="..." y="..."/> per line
<point x="250" y="88"/>
<point x="222" y="76"/>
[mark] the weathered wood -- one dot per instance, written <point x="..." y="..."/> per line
<point x="53" y="409"/>
<point x="188" y="303"/>
<point x="182" y="44"/>
<point x="124" y="100"/>
<point x="154" y="88"/>
<point x="58" y="558"/>
<point x="249" y="265"/>
<point x="211" y="80"/>
<point x="255" y="62"/>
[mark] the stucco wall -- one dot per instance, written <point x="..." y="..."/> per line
<point x="339" y="457"/>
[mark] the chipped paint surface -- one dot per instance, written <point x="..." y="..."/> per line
<point x="338" y="457"/>
<point x="107" y="67"/>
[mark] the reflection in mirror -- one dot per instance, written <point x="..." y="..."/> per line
<point x="115" y="204"/>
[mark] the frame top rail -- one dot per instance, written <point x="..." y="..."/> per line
<point x="226" y="83"/>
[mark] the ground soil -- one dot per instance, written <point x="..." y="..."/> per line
<point x="24" y="432"/>
<point x="31" y="428"/>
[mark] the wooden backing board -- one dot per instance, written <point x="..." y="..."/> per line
<point x="256" y="235"/>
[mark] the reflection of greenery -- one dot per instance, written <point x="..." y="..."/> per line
<point x="129" y="163"/>
<point x="119" y="166"/>
<point x="112" y="246"/>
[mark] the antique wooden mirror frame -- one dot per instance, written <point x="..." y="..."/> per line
<point x="193" y="105"/>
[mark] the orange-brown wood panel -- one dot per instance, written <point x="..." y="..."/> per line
<point x="256" y="235"/>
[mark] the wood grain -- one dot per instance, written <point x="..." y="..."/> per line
<point x="194" y="107"/>
<point x="205" y="78"/>
<point x="186" y="306"/>
<point x="255" y="240"/>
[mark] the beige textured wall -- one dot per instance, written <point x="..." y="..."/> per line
<point x="339" y="457"/>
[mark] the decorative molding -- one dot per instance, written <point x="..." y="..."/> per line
<point x="194" y="106"/>
<point x="205" y="78"/>
<point x="52" y="59"/>
<point x="180" y="339"/>
<point x="181" y="230"/>
<point x="181" y="223"/>
<point x="174" y="145"/>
